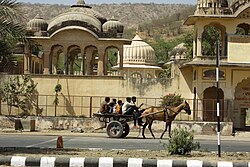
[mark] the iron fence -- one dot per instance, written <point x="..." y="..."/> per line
<point x="85" y="106"/>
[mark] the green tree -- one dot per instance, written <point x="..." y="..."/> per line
<point x="112" y="58"/>
<point x="188" y="40"/>
<point x="12" y="28"/>
<point x="57" y="89"/>
<point x="11" y="25"/>
<point x="18" y="92"/>
<point x="162" y="48"/>
<point x="210" y="35"/>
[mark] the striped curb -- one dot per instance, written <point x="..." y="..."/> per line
<point x="17" y="161"/>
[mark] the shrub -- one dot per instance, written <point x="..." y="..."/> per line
<point x="182" y="142"/>
<point x="171" y="100"/>
<point x="19" y="92"/>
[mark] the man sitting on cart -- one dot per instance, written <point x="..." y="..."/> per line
<point x="104" y="108"/>
<point x="130" y="108"/>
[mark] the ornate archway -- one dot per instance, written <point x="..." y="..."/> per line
<point x="209" y="104"/>
<point x="242" y="104"/>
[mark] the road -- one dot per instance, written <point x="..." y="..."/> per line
<point x="103" y="142"/>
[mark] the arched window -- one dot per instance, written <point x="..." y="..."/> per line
<point x="136" y="75"/>
<point x="149" y="75"/>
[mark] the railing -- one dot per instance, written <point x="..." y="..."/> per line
<point x="85" y="106"/>
<point x="11" y="69"/>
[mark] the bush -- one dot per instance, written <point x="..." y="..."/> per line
<point x="182" y="142"/>
<point x="172" y="99"/>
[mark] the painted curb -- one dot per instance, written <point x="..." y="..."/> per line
<point x="16" y="161"/>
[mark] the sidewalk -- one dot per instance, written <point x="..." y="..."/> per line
<point x="239" y="136"/>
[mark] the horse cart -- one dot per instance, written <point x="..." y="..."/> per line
<point x="116" y="124"/>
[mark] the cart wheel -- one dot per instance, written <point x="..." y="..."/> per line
<point x="125" y="130"/>
<point x="114" y="129"/>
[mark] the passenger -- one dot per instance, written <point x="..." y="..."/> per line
<point x="111" y="107"/>
<point x="114" y="107"/>
<point x="118" y="108"/>
<point x="104" y="108"/>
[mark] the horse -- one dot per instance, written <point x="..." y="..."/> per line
<point x="166" y="114"/>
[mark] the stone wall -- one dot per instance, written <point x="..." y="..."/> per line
<point x="90" y="124"/>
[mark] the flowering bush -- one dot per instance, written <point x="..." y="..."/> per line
<point x="171" y="99"/>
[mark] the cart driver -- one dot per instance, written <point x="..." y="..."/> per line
<point x="129" y="108"/>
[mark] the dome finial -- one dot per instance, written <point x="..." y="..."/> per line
<point x="80" y="2"/>
<point x="37" y="16"/>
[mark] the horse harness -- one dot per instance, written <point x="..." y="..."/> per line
<point x="167" y="114"/>
<point x="165" y="111"/>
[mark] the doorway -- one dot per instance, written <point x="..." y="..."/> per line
<point x="209" y="104"/>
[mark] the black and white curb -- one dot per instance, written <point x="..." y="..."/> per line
<point x="17" y="161"/>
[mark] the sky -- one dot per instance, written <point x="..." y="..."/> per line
<point x="72" y="2"/>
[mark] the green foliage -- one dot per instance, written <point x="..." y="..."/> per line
<point x="11" y="20"/>
<point x="57" y="89"/>
<point x="112" y="58"/>
<point x="171" y="99"/>
<point x="18" y="92"/>
<point x="182" y="142"/>
<point x="5" y="48"/>
<point x="188" y="40"/>
<point x="166" y="73"/>
<point x="12" y="28"/>
<point x="209" y="37"/>
<point x="60" y="63"/>
<point x="129" y="33"/>
<point x="240" y="31"/>
<point x="162" y="48"/>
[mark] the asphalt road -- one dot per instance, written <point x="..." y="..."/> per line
<point x="102" y="142"/>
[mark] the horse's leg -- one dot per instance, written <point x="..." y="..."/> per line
<point x="143" y="129"/>
<point x="169" y="130"/>
<point x="149" y="127"/>
<point x="166" y="127"/>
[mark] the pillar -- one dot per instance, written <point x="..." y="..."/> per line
<point x="46" y="61"/>
<point x="88" y="64"/>
<point x="194" y="44"/>
<point x="223" y="43"/>
<point x="26" y="61"/>
<point x="199" y="42"/>
<point x="83" y="63"/>
<point x="66" y="63"/>
<point x="121" y="61"/>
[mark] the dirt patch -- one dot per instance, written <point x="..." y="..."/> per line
<point x="204" y="156"/>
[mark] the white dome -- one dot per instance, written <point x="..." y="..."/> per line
<point x="139" y="52"/>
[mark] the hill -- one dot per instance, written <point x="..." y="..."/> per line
<point x="164" y="20"/>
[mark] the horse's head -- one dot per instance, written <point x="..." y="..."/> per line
<point x="186" y="107"/>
